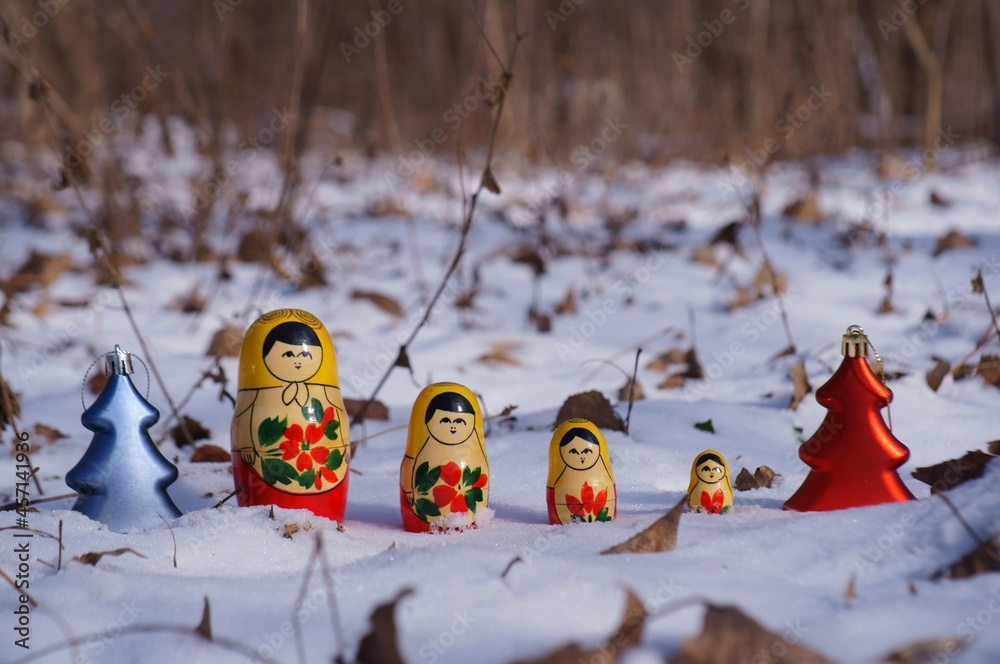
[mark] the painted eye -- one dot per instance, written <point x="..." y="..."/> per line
<point x="573" y="450"/>
<point x="306" y="353"/>
<point x="459" y="420"/>
<point x="706" y="468"/>
<point x="445" y="420"/>
<point x="288" y="353"/>
<point x="587" y="451"/>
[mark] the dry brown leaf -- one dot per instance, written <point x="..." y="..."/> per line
<point x="851" y="590"/>
<point x="383" y="302"/>
<point x="192" y="427"/>
<point x="226" y="342"/>
<point x="291" y="529"/>
<point x="38" y="270"/>
<point x="204" y="628"/>
<point x="542" y="322"/>
<point x="663" y="361"/>
<point x="993" y="447"/>
<point x="728" y="234"/>
<point x="977" y="283"/>
<point x="380" y="645"/>
<point x="390" y="207"/>
<point x="210" y="454"/>
<point x="768" y="278"/>
<point x="745" y="296"/>
<point x="886" y="306"/>
<point x="8" y="395"/>
<point x="490" y="181"/>
<point x="376" y="411"/>
<point x="983" y="559"/>
<point x="568" y="304"/>
<point x="938" y="200"/>
<point x="729" y="635"/>
<point x="312" y="272"/>
<point x="528" y="255"/>
<point x="936" y="375"/>
<point x="705" y="254"/>
<point x="989" y="369"/>
<point x="255" y="246"/>
<point x="627" y="636"/>
<point x="93" y="557"/>
<point x="47" y="433"/>
<point x="805" y="209"/>
<point x="500" y="353"/>
<point x="467" y="300"/>
<point x="953" y="239"/>
<point x="191" y="302"/>
<point x="694" y="369"/>
<point x="926" y="651"/>
<point x="949" y="474"/>
<point x="673" y="382"/>
<point x="660" y="536"/>
<point x="631" y="391"/>
<point x="800" y="384"/>
<point x="592" y="406"/>
<point x="762" y="477"/>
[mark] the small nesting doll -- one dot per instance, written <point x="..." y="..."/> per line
<point x="444" y="477"/>
<point x="709" y="490"/>
<point x="581" y="486"/>
<point x="290" y="431"/>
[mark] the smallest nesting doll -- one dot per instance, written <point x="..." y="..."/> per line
<point x="444" y="480"/>
<point x="581" y="486"/>
<point x="709" y="490"/>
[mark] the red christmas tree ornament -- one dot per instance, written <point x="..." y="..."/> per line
<point x="853" y="455"/>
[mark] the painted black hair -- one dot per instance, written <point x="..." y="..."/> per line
<point x="293" y="333"/>
<point x="450" y="401"/>
<point x="709" y="457"/>
<point x="579" y="432"/>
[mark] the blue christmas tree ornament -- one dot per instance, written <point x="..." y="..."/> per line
<point x="122" y="478"/>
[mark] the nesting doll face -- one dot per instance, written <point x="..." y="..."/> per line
<point x="579" y="453"/>
<point x="710" y="470"/>
<point x="450" y="427"/>
<point x="293" y="363"/>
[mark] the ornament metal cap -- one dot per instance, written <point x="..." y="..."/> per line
<point x="855" y="342"/>
<point x="118" y="362"/>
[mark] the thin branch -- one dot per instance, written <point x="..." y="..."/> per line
<point x="231" y="494"/>
<point x="631" y="389"/>
<point x="463" y="238"/>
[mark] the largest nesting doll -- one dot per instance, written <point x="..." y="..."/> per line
<point x="444" y="479"/>
<point x="290" y="435"/>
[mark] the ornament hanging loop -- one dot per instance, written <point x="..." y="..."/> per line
<point x="855" y="335"/>
<point x="116" y="362"/>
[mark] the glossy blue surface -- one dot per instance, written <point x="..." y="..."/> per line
<point x="122" y="478"/>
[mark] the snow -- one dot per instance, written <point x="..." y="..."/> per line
<point x="789" y="571"/>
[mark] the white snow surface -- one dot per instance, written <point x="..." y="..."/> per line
<point x="790" y="571"/>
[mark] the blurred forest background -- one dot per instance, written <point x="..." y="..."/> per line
<point x="699" y="79"/>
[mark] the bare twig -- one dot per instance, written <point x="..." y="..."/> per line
<point x="632" y="388"/>
<point x="47" y="499"/>
<point x="231" y="494"/>
<point x="21" y="436"/>
<point x="463" y="237"/>
<point x="753" y="210"/>
<point x="166" y="523"/>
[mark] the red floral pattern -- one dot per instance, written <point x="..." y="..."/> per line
<point x="298" y="445"/>
<point x="588" y="507"/>
<point x="713" y="504"/>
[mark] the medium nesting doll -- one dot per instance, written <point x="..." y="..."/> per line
<point x="444" y="477"/>
<point x="709" y="490"/>
<point x="290" y="435"/>
<point x="581" y="486"/>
